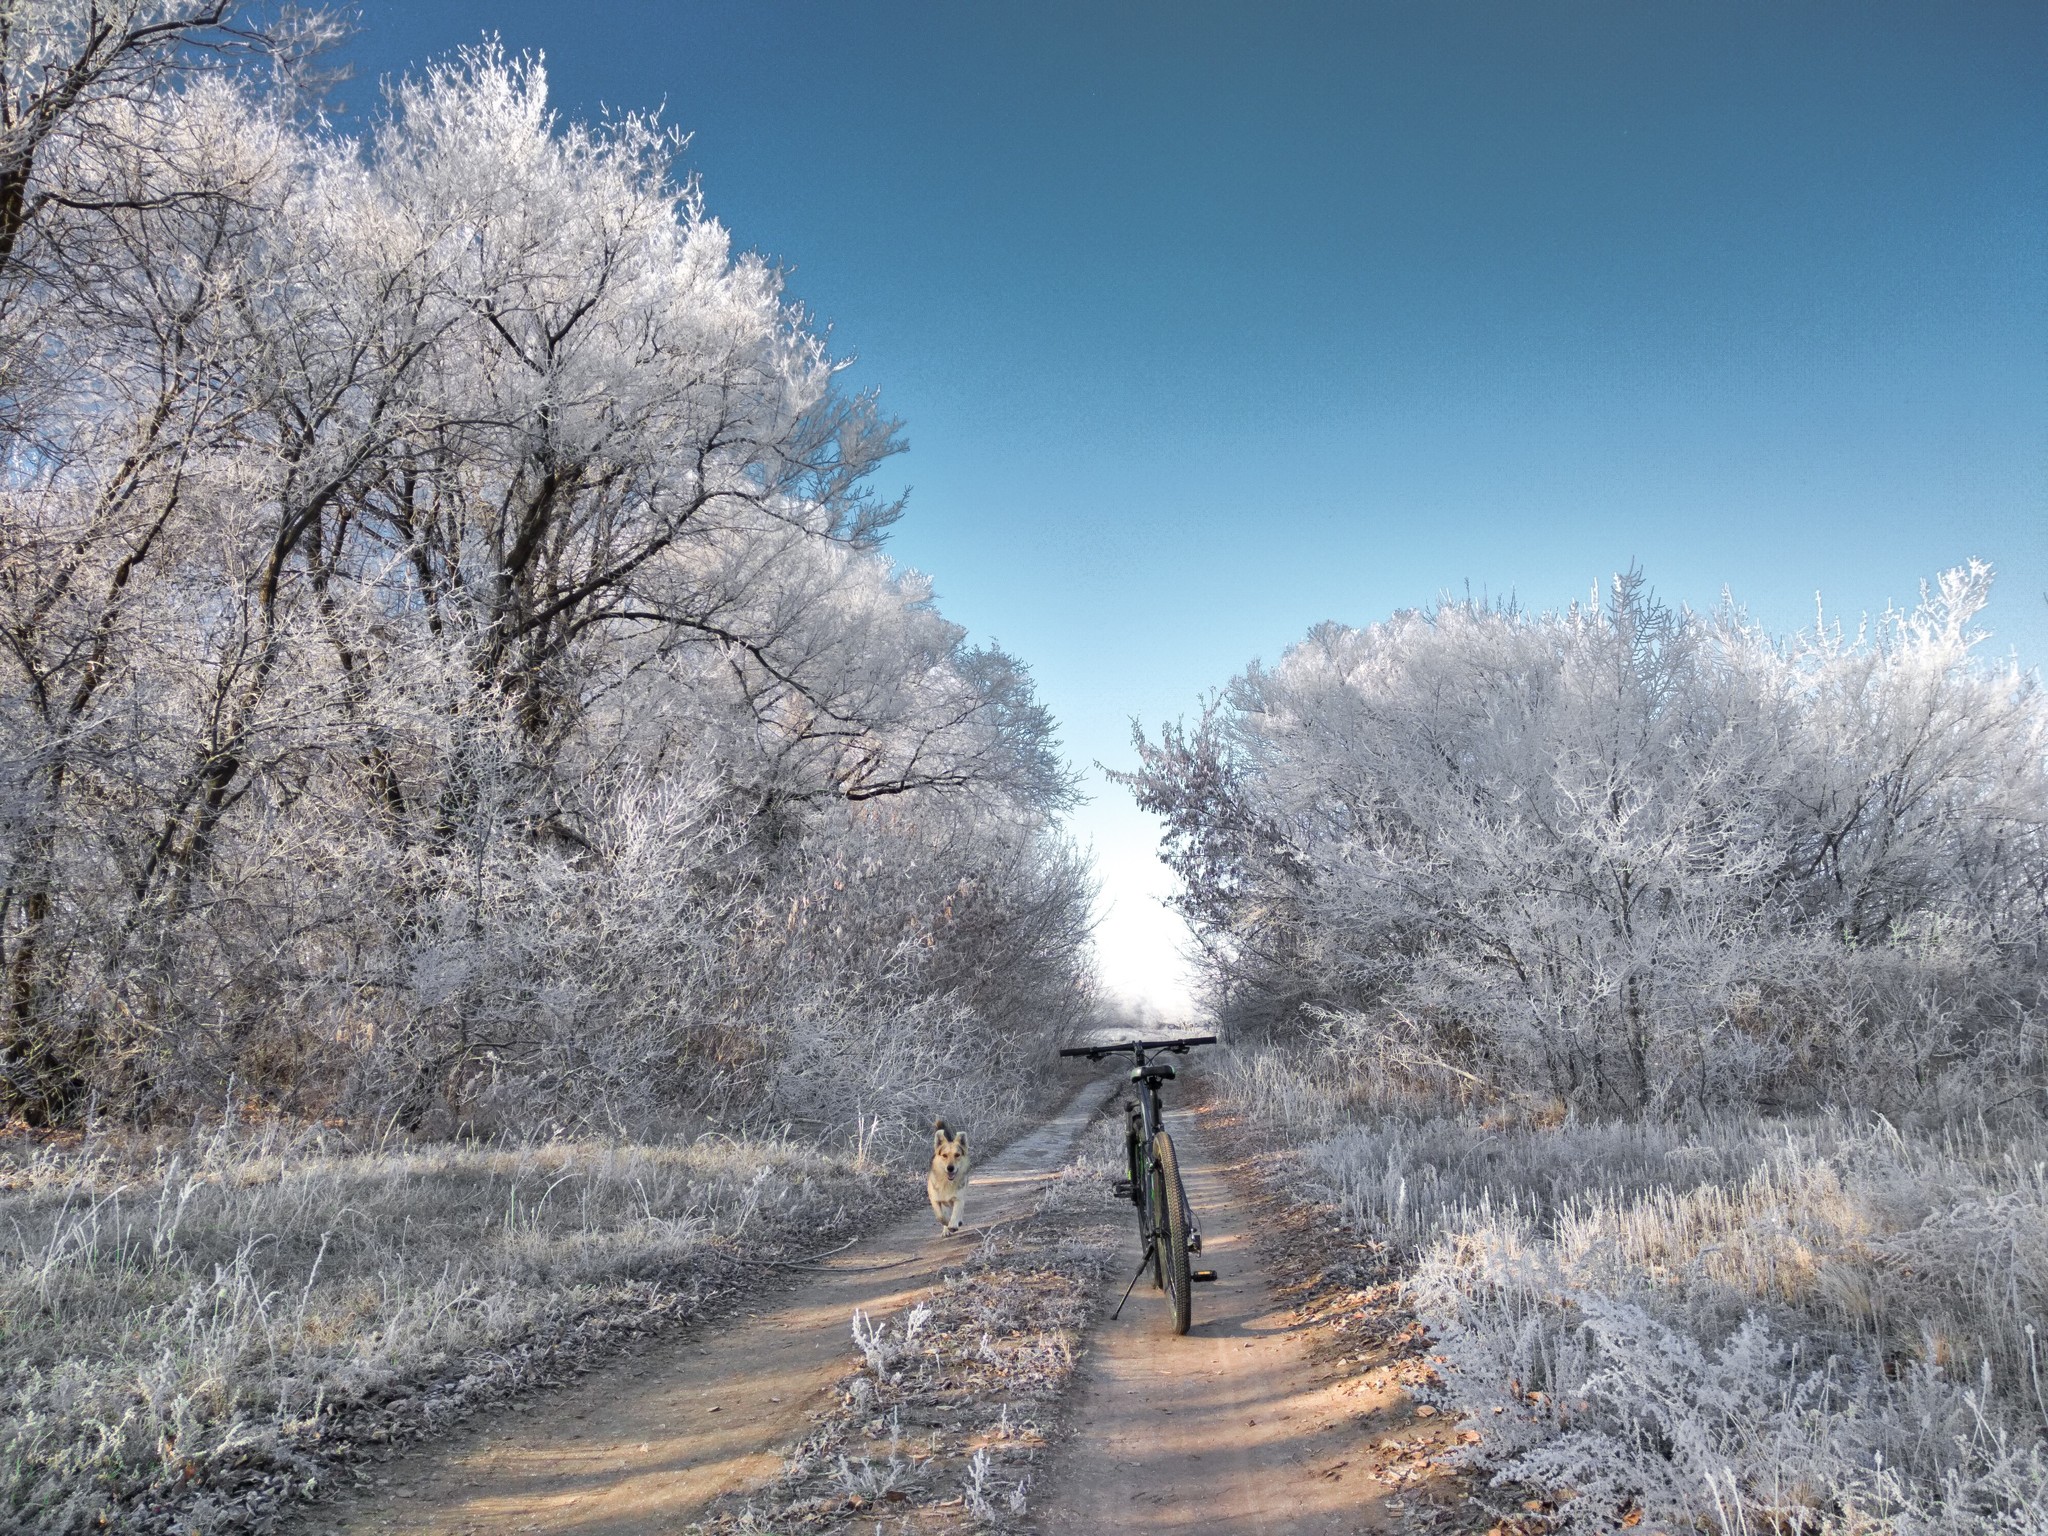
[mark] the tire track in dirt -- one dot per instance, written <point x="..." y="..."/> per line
<point x="643" y="1445"/>
<point x="1230" y="1429"/>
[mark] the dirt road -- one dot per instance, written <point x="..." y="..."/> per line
<point x="1229" y="1430"/>
<point x="642" y="1446"/>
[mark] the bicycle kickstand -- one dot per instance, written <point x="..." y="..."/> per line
<point x="1147" y="1259"/>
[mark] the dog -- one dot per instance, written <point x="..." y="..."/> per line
<point x="946" y="1184"/>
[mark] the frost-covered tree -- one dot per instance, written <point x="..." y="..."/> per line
<point x="75" y="74"/>
<point x="449" y="653"/>
<point x="1628" y="856"/>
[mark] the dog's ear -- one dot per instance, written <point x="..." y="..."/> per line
<point x="938" y="1134"/>
<point x="960" y="1141"/>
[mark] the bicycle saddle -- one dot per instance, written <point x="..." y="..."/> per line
<point x="1154" y="1072"/>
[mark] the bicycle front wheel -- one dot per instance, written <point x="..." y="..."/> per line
<point x="1171" y="1201"/>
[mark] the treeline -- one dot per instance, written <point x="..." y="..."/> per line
<point x="449" y="668"/>
<point x="1627" y="859"/>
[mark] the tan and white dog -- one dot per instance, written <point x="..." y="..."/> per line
<point x="946" y="1184"/>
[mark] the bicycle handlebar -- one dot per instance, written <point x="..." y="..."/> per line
<point x="1137" y="1047"/>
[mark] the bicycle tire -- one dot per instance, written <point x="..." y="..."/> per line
<point x="1174" y="1239"/>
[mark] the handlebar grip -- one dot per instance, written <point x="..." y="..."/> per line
<point x="1077" y="1050"/>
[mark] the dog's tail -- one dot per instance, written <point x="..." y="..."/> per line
<point x="939" y="1126"/>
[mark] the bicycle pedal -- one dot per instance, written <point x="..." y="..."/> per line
<point x="1202" y="1276"/>
<point x="1121" y="1188"/>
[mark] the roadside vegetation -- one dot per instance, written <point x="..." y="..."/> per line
<point x="1669" y="997"/>
<point x="1817" y="1323"/>
<point x="195" y="1334"/>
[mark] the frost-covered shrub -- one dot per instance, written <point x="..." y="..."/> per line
<point x="1629" y="859"/>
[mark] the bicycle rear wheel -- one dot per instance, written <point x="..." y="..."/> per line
<point x="1172" y="1228"/>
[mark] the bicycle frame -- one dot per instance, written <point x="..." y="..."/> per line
<point x="1143" y="1117"/>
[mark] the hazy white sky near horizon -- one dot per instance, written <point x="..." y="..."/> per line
<point x="1209" y="322"/>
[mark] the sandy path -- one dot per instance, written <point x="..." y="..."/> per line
<point x="643" y="1445"/>
<point x="1226" y="1430"/>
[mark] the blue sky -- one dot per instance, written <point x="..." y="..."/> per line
<point x="1209" y="322"/>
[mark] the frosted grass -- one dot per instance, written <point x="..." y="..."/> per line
<point x="1815" y="1324"/>
<point x="164" y="1315"/>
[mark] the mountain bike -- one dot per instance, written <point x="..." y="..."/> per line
<point x="1166" y="1224"/>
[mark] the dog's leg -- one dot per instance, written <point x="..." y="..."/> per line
<point x="959" y="1211"/>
